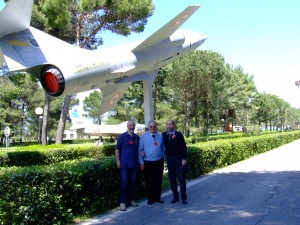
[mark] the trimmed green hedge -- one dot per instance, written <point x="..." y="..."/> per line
<point x="208" y="156"/>
<point x="215" y="137"/>
<point x="16" y="143"/>
<point x="56" y="194"/>
<point x="49" y="156"/>
<point x="196" y="139"/>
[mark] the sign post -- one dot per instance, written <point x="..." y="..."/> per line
<point x="6" y="133"/>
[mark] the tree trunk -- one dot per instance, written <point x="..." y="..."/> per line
<point x="207" y="115"/>
<point x="62" y="120"/>
<point x="22" y="122"/>
<point x="197" y="123"/>
<point x="226" y="124"/>
<point x="186" y="119"/>
<point x="45" y="119"/>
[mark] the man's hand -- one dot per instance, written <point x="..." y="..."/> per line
<point x="142" y="166"/>
<point x="183" y="162"/>
<point x="118" y="164"/>
<point x="143" y="154"/>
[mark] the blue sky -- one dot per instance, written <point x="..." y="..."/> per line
<point x="261" y="36"/>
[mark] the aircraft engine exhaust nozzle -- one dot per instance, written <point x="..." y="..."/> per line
<point x="53" y="81"/>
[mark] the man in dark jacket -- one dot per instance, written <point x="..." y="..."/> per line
<point x="176" y="152"/>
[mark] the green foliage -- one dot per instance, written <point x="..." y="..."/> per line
<point x="81" y="21"/>
<point x="91" y="105"/>
<point x="109" y="149"/>
<point x="20" y="95"/>
<point x="208" y="156"/>
<point x="44" y="155"/>
<point x="196" y="139"/>
<point x="54" y="194"/>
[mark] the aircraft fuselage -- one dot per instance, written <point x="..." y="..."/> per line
<point x="121" y="63"/>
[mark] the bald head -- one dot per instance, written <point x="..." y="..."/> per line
<point x="130" y="126"/>
<point x="170" y="125"/>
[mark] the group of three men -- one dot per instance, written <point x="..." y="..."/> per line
<point x="147" y="152"/>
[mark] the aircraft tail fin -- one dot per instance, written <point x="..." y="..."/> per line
<point x="168" y="29"/>
<point x="33" y="48"/>
<point x="15" y="16"/>
<point x="21" y="51"/>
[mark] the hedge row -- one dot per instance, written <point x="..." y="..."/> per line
<point x="16" y="143"/>
<point x="214" y="137"/>
<point x="57" y="193"/>
<point x="196" y="139"/>
<point x="50" y="156"/>
<point x="205" y="157"/>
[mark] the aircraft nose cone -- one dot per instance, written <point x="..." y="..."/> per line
<point x="204" y="37"/>
<point x="198" y="38"/>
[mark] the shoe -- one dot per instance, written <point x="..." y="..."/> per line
<point x="149" y="202"/>
<point x="160" y="201"/>
<point x="174" y="200"/>
<point x="122" y="207"/>
<point x="184" y="201"/>
<point x="133" y="203"/>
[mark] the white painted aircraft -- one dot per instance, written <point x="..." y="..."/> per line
<point x="66" y="69"/>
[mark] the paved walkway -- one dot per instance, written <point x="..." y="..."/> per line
<point x="262" y="190"/>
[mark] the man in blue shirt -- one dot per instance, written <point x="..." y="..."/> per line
<point x="176" y="152"/>
<point x="128" y="163"/>
<point x="151" y="157"/>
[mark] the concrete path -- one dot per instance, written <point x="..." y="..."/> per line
<point x="262" y="190"/>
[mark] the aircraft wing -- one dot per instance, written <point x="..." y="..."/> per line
<point x="15" y="16"/>
<point x="111" y="95"/>
<point x="168" y="29"/>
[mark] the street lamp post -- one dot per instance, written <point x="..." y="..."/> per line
<point x="6" y="133"/>
<point x="39" y="112"/>
<point x="223" y="124"/>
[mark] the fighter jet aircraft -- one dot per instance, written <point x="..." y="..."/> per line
<point x="66" y="69"/>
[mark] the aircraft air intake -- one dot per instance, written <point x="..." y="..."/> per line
<point x="53" y="81"/>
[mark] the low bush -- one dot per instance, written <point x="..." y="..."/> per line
<point x="222" y="136"/>
<point x="207" y="156"/>
<point x="214" y="137"/>
<point x="56" y="194"/>
<point x="34" y="155"/>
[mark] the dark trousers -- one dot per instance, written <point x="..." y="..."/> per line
<point x="127" y="180"/>
<point x="176" y="170"/>
<point x="153" y="178"/>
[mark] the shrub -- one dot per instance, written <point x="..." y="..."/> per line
<point x="56" y="194"/>
<point x="207" y="156"/>
<point x="42" y="155"/>
<point x="109" y="149"/>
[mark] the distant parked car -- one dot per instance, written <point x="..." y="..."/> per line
<point x="237" y="129"/>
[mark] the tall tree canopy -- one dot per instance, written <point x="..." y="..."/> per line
<point x="91" y="105"/>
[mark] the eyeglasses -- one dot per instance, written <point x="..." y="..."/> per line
<point x="152" y="126"/>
